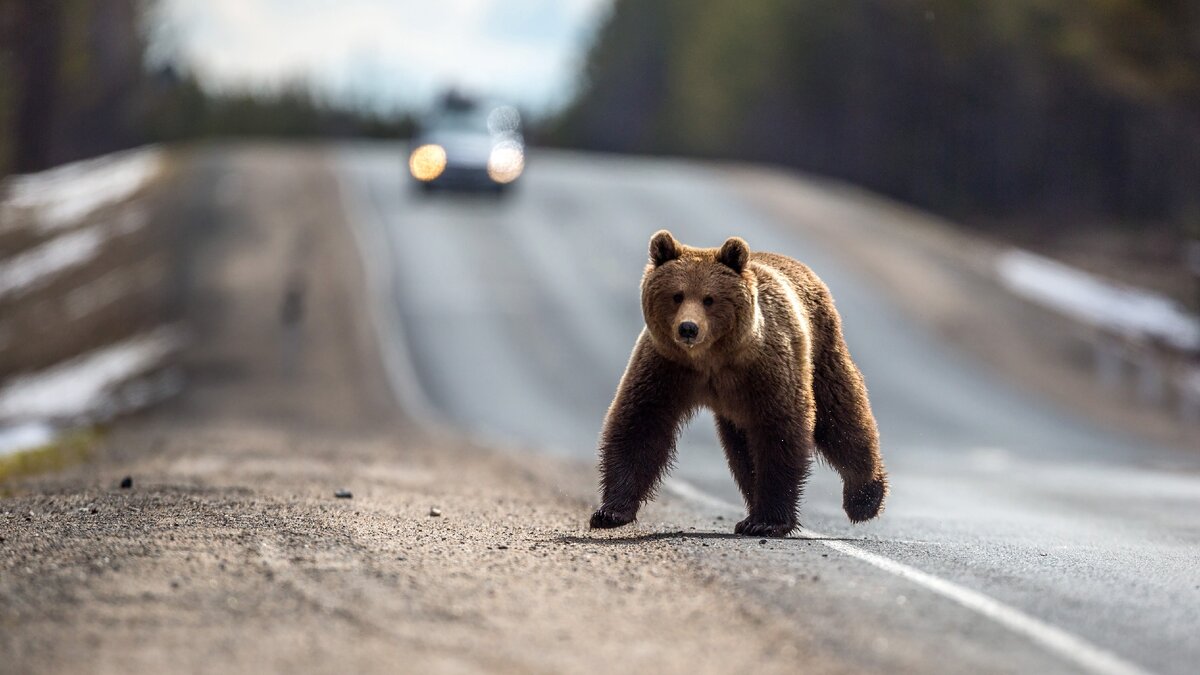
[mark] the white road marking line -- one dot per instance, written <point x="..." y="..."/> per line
<point x="1069" y="647"/>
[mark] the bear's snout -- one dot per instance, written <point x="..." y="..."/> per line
<point x="689" y="330"/>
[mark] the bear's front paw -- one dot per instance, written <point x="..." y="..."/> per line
<point x="761" y="527"/>
<point x="607" y="516"/>
<point x="865" y="501"/>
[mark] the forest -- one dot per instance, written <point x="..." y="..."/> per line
<point x="75" y="81"/>
<point x="1058" y="112"/>
<point x="1022" y="113"/>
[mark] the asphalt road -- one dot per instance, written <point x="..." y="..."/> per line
<point x="517" y="317"/>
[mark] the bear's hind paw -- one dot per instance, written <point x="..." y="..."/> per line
<point x="865" y="501"/>
<point x="606" y="517"/>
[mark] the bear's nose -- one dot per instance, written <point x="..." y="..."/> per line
<point x="688" y="330"/>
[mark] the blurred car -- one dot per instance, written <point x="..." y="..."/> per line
<point x="468" y="144"/>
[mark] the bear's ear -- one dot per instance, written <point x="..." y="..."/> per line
<point x="734" y="254"/>
<point x="663" y="248"/>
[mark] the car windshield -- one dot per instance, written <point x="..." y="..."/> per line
<point x="469" y="120"/>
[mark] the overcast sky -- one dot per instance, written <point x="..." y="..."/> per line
<point x="385" y="53"/>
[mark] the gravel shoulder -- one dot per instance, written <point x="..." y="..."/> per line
<point x="230" y="553"/>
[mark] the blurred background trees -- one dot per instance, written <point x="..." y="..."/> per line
<point x="75" y="82"/>
<point x="1060" y="113"/>
<point x="70" y="79"/>
<point x="1067" y="110"/>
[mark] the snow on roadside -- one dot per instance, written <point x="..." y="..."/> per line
<point x="37" y="265"/>
<point x="1097" y="302"/>
<point x="25" y="437"/>
<point x="40" y="262"/>
<point x="62" y="196"/>
<point x="80" y="388"/>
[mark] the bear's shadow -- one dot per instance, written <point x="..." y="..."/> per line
<point x="665" y="536"/>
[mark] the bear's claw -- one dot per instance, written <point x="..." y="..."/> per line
<point x="865" y="501"/>
<point x="607" y="517"/>
<point x="752" y="527"/>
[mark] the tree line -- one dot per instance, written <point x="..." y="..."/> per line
<point x="74" y="82"/>
<point x="1059" y="110"/>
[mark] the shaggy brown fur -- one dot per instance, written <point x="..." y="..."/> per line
<point x="755" y="338"/>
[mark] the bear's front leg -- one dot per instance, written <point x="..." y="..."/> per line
<point x="639" y="433"/>
<point x="781" y="463"/>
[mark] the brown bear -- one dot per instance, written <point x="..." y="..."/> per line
<point x="754" y="337"/>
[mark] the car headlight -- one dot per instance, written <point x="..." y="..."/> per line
<point x="427" y="162"/>
<point x="506" y="162"/>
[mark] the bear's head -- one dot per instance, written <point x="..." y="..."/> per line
<point x="698" y="301"/>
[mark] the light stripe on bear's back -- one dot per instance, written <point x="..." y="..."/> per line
<point x="799" y="316"/>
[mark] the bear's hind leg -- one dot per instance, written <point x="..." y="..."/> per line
<point x="846" y="434"/>
<point x="737" y="453"/>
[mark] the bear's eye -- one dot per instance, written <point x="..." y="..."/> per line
<point x="708" y="301"/>
<point x="678" y="298"/>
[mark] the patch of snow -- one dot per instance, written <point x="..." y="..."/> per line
<point x="1124" y="310"/>
<point x="26" y="436"/>
<point x="62" y="196"/>
<point x="82" y="386"/>
<point x="36" y="265"/>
